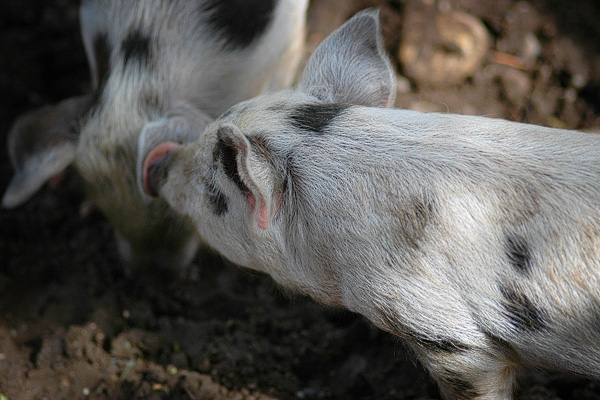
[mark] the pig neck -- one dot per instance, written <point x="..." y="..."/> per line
<point x="301" y="269"/>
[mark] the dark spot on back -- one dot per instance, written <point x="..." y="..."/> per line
<point x="217" y="199"/>
<point x="136" y="48"/>
<point x="102" y="52"/>
<point x="518" y="253"/>
<point x="315" y="117"/>
<point x="520" y="311"/>
<point x="239" y="21"/>
<point x="226" y="153"/>
<point x="414" y="215"/>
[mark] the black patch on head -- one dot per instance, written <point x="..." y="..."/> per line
<point x="315" y="117"/>
<point x="136" y="48"/>
<point x="102" y="52"/>
<point x="521" y="312"/>
<point x="518" y="253"/>
<point x="456" y="387"/>
<point x="239" y="21"/>
<point x="226" y="152"/>
<point x="217" y="199"/>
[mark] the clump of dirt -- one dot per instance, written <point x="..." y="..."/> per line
<point x="73" y="325"/>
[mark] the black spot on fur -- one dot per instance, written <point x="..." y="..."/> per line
<point x="456" y="387"/>
<point x="315" y="117"/>
<point x="218" y="200"/>
<point x="102" y="55"/>
<point x="136" y="48"/>
<point x="226" y="153"/>
<point x="414" y="215"/>
<point x="521" y="312"/>
<point x="518" y="253"/>
<point x="240" y="21"/>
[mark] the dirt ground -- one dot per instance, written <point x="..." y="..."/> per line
<point x="74" y="326"/>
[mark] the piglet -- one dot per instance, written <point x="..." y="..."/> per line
<point x="161" y="68"/>
<point x="476" y="240"/>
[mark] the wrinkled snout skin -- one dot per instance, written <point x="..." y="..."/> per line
<point x="159" y="68"/>
<point x="474" y="239"/>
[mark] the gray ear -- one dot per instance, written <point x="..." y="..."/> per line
<point x="41" y="144"/>
<point x="246" y="167"/>
<point x="351" y="66"/>
<point x="183" y="124"/>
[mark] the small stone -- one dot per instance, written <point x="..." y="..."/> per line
<point x="442" y="49"/>
<point x="517" y="85"/>
<point x="579" y="81"/>
<point x="532" y="48"/>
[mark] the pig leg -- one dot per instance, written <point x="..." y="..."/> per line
<point x="485" y="372"/>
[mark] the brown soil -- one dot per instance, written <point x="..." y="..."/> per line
<point x="73" y="325"/>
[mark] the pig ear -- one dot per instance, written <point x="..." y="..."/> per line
<point x="42" y="144"/>
<point x="351" y="66"/>
<point x="183" y="124"/>
<point x="248" y="169"/>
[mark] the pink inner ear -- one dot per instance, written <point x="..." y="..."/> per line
<point x="155" y="155"/>
<point x="250" y="199"/>
<point x="388" y="101"/>
<point x="263" y="218"/>
<point x="262" y="215"/>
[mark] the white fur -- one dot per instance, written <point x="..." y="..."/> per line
<point x="474" y="239"/>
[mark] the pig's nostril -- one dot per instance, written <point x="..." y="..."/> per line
<point x="153" y="159"/>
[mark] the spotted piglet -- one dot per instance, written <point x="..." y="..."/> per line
<point x="164" y="68"/>
<point x="476" y="240"/>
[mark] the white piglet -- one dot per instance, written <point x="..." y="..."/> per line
<point x="476" y="240"/>
<point x="165" y="68"/>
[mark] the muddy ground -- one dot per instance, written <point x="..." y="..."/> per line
<point x="73" y="325"/>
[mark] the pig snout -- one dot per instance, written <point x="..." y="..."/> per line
<point x="155" y="167"/>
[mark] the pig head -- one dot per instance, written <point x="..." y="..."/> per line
<point x="474" y="239"/>
<point x="160" y="69"/>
